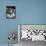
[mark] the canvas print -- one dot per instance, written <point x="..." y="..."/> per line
<point x="33" y="32"/>
<point x="10" y="12"/>
<point x="28" y="34"/>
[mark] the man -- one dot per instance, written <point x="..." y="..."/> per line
<point x="10" y="12"/>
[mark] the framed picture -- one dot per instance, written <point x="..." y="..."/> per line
<point x="32" y="32"/>
<point x="10" y="12"/>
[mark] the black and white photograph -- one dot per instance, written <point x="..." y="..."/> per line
<point x="10" y="12"/>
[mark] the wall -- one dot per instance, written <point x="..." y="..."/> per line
<point x="31" y="11"/>
<point x="6" y="25"/>
<point x="27" y="12"/>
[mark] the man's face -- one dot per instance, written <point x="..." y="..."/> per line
<point x="11" y="10"/>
